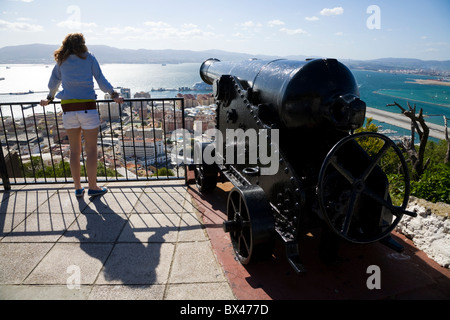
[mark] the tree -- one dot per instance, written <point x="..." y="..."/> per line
<point x="35" y="169"/>
<point x="163" y="172"/>
<point x="369" y="144"/>
<point x="417" y="125"/>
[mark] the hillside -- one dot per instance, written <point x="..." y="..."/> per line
<point x="41" y="53"/>
<point x="401" y="64"/>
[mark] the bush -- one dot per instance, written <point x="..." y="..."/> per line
<point x="434" y="184"/>
<point x="397" y="188"/>
<point x="162" y="172"/>
<point x="36" y="169"/>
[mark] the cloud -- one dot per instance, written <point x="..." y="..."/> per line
<point x="190" y="30"/>
<point x="20" y="26"/>
<point x="125" y="30"/>
<point x="274" y="23"/>
<point x="332" y="12"/>
<point x="159" y="30"/>
<point x="250" y="24"/>
<point x="292" y="32"/>
<point x="313" y="18"/>
<point x="72" y="24"/>
<point x="156" y="24"/>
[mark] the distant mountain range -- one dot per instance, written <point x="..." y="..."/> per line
<point x="41" y="53"/>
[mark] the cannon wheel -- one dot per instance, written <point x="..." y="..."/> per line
<point x="336" y="164"/>
<point x="205" y="174"/>
<point x="250" y="223"/>
<point x="205" y="178"/>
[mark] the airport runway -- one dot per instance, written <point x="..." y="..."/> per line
<point x="401" y="121"/>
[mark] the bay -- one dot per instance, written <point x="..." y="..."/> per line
<point x="376" y="89"/>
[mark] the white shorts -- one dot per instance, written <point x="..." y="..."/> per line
<point x="86" y="119"/>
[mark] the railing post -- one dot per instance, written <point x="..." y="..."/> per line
<point x="4" y="171"/>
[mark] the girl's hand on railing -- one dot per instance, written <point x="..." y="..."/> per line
<point x="44" y="103"/>
<point x="118" y="100"/>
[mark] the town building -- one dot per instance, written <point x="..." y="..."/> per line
<point x="142" y="148"/>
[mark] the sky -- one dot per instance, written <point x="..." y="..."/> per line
<point x="343" y="29"/>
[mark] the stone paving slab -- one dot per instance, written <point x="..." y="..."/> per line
<point x="18" y="260"/>
<point x="51" y="292"/>
<point x="193" y="263"/>
<point x="41" y="227"/>
<point x="60" y="263"/>
<point x="138" y="264"/>
<point x="141" y="240"/>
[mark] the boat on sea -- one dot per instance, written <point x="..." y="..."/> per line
<point x="21" y="93"/>
<point x="163" y="89"/>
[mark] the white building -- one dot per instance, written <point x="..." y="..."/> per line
<point x="109" y="111"/>
<point x="146" y="132"/>
<point x="142" y="148"/>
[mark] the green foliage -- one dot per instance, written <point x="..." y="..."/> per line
<point x="34" y="168"/>
<point x="435" y="151"/>
<point x="390" y="163"/>
<point x="164" y="172"/>
<point x="369" y="144"/>
<point x="434" y="184"/>
<point x="369" y="127"/>
<point x="103" y="171"/>
<point x="61" y="169"/>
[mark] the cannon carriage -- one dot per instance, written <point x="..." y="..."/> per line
<point x="284" y="139"/>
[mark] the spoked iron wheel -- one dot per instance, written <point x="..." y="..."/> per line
<point x="250" y="224"/>
<point x="205" y="178"/>
<point x="353" y="190"/>
<point x="205" y="174"/>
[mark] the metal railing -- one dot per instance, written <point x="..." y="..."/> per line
<point x="134" y="142"/>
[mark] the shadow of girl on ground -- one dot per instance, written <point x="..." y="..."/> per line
<point x="128" y="261"/>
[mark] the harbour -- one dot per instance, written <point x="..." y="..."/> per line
<point x="377" y="90"/>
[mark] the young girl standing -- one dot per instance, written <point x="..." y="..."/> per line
<point x="75" y="69"/>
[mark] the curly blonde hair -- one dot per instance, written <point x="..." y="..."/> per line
<point x="73" y="43"/>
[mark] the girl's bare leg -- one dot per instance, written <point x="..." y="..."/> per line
<point x="90" y="145"/>
<point x="75" y="153"/>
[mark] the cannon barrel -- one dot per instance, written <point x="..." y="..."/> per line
<point x="301" y="93"/>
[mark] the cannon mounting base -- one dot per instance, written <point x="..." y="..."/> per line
<point x="293" y="255"/>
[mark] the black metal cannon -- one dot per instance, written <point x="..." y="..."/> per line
<point x="318" y="174"/>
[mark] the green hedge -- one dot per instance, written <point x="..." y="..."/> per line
<point x="434" y="184"/>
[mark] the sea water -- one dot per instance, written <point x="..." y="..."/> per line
<point x="377" y="89"/>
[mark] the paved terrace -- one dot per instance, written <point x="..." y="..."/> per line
<point x="163" y="240"/>
<point x="141" y="240"/>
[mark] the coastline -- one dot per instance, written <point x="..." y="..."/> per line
<point x="414" y="100"/>
<point x="401" y="121"/>
<point x="430" y="82"/>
